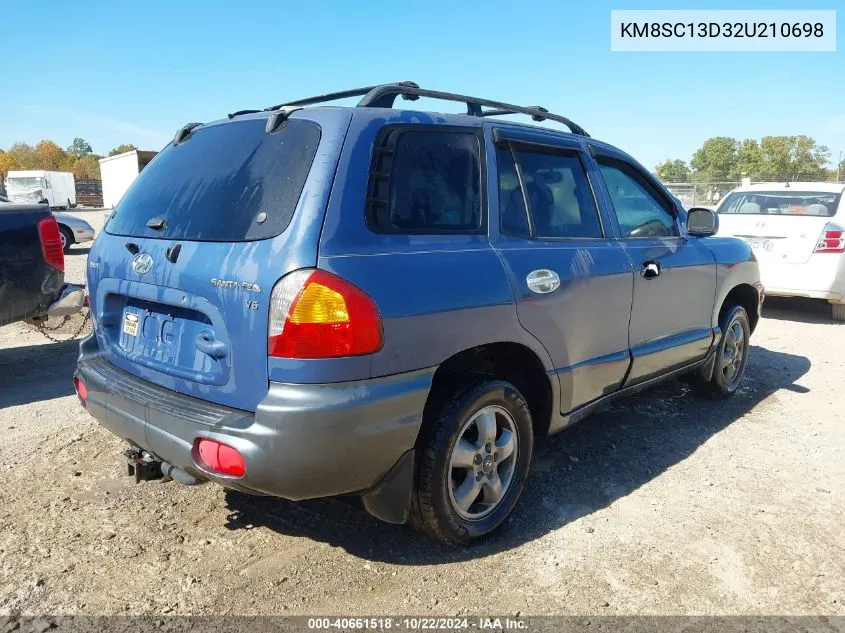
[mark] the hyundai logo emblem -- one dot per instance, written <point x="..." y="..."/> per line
<point x="142" y="263"/>
<point x="761" y="224"/>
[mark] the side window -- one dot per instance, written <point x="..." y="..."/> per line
<point x="514" y="219"/>
<point x="639" y="211"/>
<point x="560" y="203"/>
<point x="426" y="182"/>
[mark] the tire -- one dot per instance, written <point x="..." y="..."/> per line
<point x="67" y="238"/>
<point x="731" y="359"/>
<point x="837" y="311"/>
<point x="442" y="468"/>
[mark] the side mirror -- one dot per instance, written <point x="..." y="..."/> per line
<point x="702" y="222"/>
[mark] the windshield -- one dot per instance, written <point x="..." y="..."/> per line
<point x="818" y="203"/>
<point x="23" y="181"/>
<point x="226" y="183"/>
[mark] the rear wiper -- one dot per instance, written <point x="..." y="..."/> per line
<point x="157" y="224"/>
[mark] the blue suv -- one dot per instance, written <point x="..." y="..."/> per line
<point x="315" y="301"/>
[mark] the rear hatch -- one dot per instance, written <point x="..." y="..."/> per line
<point x="782" y="227"/>
<point x="181" y="278"/>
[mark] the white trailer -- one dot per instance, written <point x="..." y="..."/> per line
<point x="57" y="188"/>
<point x="118" y="172"/>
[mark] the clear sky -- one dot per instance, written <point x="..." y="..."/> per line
<point x="118" y="72"/>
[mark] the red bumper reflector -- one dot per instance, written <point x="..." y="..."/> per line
<point x="81" y="391"/>
<point x="51" y="243"/>
<point x="220" y="458"/>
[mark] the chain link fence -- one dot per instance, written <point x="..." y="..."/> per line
<point x="700" y="194"/>
<point x="709" y="194"/>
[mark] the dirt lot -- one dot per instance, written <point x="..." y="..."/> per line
<point x="663" y="504"/>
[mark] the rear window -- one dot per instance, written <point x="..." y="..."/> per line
<point x="818" y="203"/>
<point x="227" y="183"/>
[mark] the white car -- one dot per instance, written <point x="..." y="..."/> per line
<point x="73" y="230"/>
<point x="796" y="231"/>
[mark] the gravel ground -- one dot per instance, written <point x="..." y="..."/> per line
<point x="661" y="504"/>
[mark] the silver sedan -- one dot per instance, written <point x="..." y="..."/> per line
<point x="74" y="230"/>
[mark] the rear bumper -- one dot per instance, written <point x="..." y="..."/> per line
<point x="820" y="277"/>
<point x="70" y="301"/>
<point x="303" y="441"/>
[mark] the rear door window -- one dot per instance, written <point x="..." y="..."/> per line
<point x="226" y="183"/>
<point x="426" y="182"/>
<point x="554" y="183"/>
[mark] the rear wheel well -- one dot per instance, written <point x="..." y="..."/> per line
<point x="744" y="295"/>
<point x="512" y="362"/>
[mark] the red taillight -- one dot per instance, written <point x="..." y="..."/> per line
<point x="315" y="314"/>
<point x="51" y="243"/>
<point x="81" y="391"/>
<point x="832" y="240"/>
<point x="220" y="458"/>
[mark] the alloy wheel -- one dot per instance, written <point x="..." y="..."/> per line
<point x="733" y="354"/>
<point x="482" y="462"/>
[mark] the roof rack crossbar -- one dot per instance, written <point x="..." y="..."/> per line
<point x="384" y="95"/>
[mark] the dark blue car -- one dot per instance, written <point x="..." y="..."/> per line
<point x="308" y="301"/>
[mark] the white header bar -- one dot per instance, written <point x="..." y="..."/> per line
<point x="728" y="30"/>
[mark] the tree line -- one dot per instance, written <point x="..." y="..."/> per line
<point x="773" y="158"/>
<point x="719" y="159"/>
<point x="78" y="158"/>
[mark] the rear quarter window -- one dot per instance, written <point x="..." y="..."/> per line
<point x="426" y="181"/>
<point x="231" y="182"/>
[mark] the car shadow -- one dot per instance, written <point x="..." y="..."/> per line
<point x="574" y="473"/>
<point x="798" y="309"/>
<point x="76" y="250"/>
<point x="32" y="373"/>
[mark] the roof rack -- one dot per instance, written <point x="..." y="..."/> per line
<point x="536" y="117"/>
<point x="383" y="96"/>
<point x="342" y="94"/>
<point x="184" y="132"/>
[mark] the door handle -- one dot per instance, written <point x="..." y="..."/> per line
<point x="543" y="281"/>
<point x="650" y="270"/>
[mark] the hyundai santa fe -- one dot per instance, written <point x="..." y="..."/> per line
<point x="312" y="300"/>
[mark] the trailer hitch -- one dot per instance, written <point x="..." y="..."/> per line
<point x="142" y="465"/>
